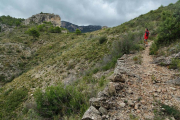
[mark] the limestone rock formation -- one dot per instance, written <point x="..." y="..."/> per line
<point x="4" y="27"/>
<point x="44" y="17"/>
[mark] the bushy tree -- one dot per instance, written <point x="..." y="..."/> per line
<point x="57" y="30"/>
<point x="40" y="27"/>
<point x="18" y="23"/>
<point x="78" y="32"/>
<point x="170" y="27"/>
<point x="54" y="29"/>
<point x="33" y="32"/>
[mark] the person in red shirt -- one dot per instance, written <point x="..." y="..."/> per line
<point x="146" y="36"/>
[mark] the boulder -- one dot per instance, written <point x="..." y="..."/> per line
<point x="112" y="89"/>
<point x="122" y="104"/>
<point x="175" y="82"/>
<point x="96" y="102"/>
<point x="118" y="78"/>
<point x="163" y="60"/>
<point x="130" y="103"/>
<point x="92" y="114"/>
<point x="123" y="57"/>
<point x="103" y="93"/>
<point x="103" y="111"/>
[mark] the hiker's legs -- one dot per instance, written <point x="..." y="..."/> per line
<point x="146" y="41"/>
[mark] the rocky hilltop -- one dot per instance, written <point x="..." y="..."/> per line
<point x="72" y="27"/>
<point x="44" y="17"/>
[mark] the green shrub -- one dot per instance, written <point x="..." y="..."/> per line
<point x="41" y="27"/>
<point x="102" y="81"/>
<point x="59" y="100"/>
<point x="54" y="29"/>
<point x="2" y="78"/>
<point x="51" y="29"/>
<point x="111" y="64"/>
<point x="57" y="30"/>
<point x="95" y="70"/>
<point x="78" y="32"/>
<point x="171" y="111"/>
<point x="102" y="39"/>
<point x="137" y="47"/>
<point x="12" y="101"/>
<point x="137" y="59"/>
<point x="168" y="30"/>
<point x="175" y="64"/>
<point x="154" y="49"/>
<point x="33" y="32"/>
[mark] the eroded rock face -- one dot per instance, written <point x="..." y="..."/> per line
<point x="105" y="101"/>
<point x="44" y="17"/>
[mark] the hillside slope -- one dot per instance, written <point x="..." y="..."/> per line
<point x="83" y="62"/>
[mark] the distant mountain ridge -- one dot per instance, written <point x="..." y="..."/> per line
<point x="72" y="27"/>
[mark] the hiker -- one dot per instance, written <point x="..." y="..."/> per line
<point x="146" y="35"/>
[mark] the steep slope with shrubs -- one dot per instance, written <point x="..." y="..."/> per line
<point x="57" y="73"/>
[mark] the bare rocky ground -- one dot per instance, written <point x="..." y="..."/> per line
<point x="135" y="90"/>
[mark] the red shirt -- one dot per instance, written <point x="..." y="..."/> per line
<point x="146" y="35"/>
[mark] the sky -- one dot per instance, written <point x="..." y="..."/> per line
<point x="83" y="12"/>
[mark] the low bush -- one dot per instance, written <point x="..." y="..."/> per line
<point x="175" y="64"/>
<point x="41" y="27"/>
<point x="2" y="78"/>
<point x="60" y="100"/>
<point x="102" y="39"/>
<point x="102" y="81"/>
<point x="154" y="49"/>
<point x="137" y="59"/>
<point x="33" y="32"/>
<point x="54" y="29"/>
<point x="13" y="100"/>
<point x="171" y="111"/>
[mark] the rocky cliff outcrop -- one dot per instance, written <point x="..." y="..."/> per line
<point x="72" y="27"/>
<point x="44" y="17"/>
<point x="4" y="27"/>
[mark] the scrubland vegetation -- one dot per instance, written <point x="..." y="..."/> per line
<point x="56" y="55"/>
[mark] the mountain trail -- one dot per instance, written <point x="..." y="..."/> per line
<point x="136" y="89"/>
<point x="149" y="87"/>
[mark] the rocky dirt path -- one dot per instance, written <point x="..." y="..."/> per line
<point x="135" y="90"/>
<point x="147" y="87"/>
